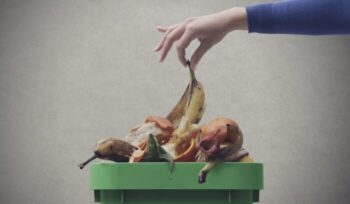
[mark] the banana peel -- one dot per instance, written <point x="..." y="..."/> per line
<point x="111" y="149"/>
<point x="178" y="111"/>
<point x="195" y="106"/>
<point x="191" y="103"/>
<point x="246" y="159"/>
<point x="222" y="153"/>
<point x="241" y="156"/>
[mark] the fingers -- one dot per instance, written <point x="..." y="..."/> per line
<point x="198" y="53"/>
<point x="162" y="29"/>
<point x="170" y="39"/>
<point x="161" y="43"/>
<point x="183" y="33"/>
<point x="181" y="54"/>
<point x="182" y="44"/>
<point x="165" y="29"/>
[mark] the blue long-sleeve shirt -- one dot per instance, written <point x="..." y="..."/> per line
<point x="311" y="17"/>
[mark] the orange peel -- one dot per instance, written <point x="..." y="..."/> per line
<point x="186" y="152"/>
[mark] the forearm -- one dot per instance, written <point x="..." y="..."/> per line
<point x="313" y="17"/>
<point x="236" y="17"/>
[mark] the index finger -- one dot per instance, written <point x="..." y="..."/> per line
<point x="182" y="44"/>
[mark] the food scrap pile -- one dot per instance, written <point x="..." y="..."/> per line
<point x="179" y="137"/>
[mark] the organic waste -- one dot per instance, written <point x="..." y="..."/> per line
<point x="179" y="137"/>
<point x="111" y="149"/>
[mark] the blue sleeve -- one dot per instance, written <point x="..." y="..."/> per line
<point x="311" y="17"/>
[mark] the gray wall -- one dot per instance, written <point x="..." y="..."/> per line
<point x="73" y="72"/>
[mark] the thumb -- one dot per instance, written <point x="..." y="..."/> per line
<point x="198" y="53"/>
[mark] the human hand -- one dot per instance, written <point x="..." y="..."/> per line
<point x="209" y="30"/>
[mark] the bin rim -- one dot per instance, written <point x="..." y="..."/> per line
<point x="156" y="176"/>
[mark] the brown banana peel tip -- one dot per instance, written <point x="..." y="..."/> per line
<point x="82" y="165"/>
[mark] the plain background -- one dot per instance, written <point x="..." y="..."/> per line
<point x="75" y="72"/>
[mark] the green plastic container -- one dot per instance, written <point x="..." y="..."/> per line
<point x="149" y="183"/>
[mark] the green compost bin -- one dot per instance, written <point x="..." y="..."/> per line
<point x="150" y="183"/>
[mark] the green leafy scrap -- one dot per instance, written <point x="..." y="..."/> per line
<point x="156" y="153"/>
